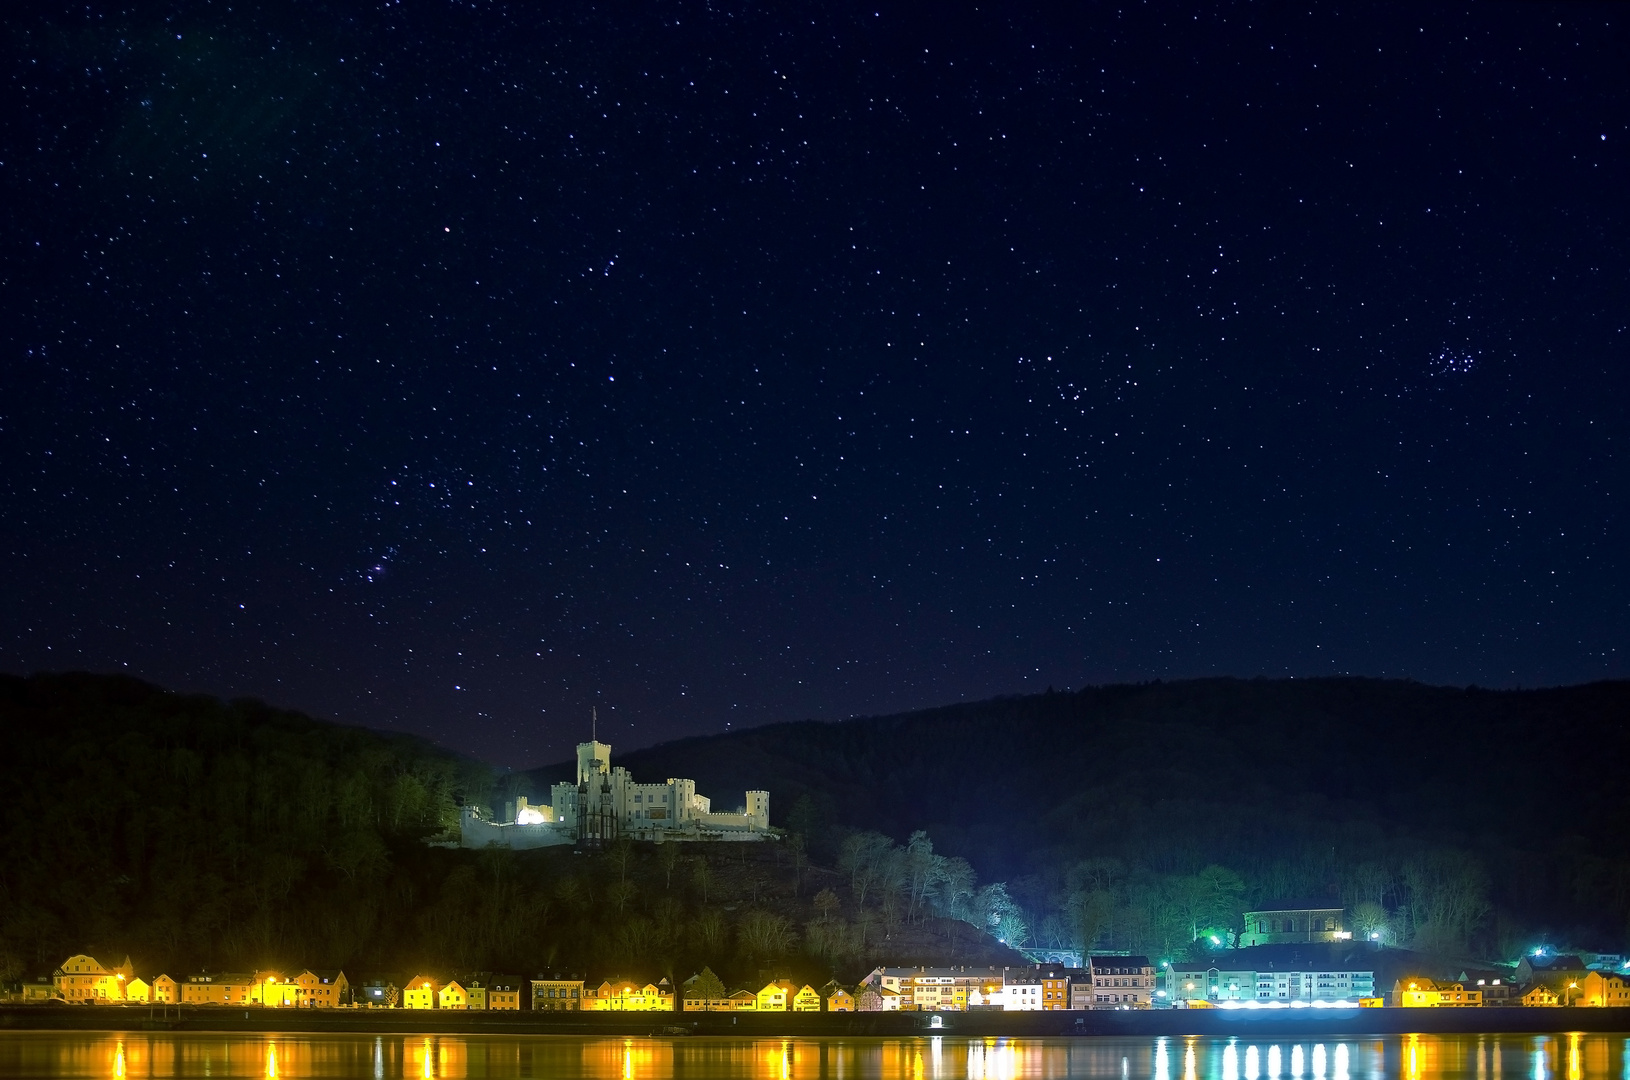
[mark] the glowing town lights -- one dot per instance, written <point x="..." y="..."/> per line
<point x="271" y="1061"/>
<point x="1341" y="1062"/>
<point x="1296" y="1058"/>
<point x="1274" y="1063"/>
<point x="1230" y="1062"/>
<point x="1253" y="1063"/>
<point x="1190" y="1072"/>
<point x="1318" y="1061"/>
<point x="119" y="1061"/>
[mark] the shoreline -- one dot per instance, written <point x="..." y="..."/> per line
<point x="1142" y="1024"/>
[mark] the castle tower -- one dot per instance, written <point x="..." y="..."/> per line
<point x="758" y="810"/>
<point x="593" y="759"/>
<point x="596" y="803"/>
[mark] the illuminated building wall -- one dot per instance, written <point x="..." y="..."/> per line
<point x="605" y="803"/>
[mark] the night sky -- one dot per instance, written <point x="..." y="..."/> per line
<point x="456" y="367"/>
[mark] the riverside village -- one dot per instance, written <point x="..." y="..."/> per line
<point x="1299" y="954"/>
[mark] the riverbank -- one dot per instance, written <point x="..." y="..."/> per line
<point x="1207" y="1022"/>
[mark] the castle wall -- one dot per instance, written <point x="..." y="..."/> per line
<point x="476" y="832"/>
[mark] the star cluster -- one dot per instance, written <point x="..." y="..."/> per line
<point x="454" y="367"/>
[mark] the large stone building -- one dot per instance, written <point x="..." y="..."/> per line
<point x="1297" y="922"/>
<point x="605" y="803"/>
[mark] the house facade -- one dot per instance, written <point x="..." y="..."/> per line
<point x="624" y="995"/>
<point x="454" y="994"/>
<point x="220" y="988"/>
<point x="166" y="991"/>
<point x="322" y="989"/>
<point x="1419" y="992"/>
<point x="421" y="991"/>
<point x="1186" y="982"/>
<point x="557" y="994"/>
<point x="1602" y="989"/>
<point x="504" y="993"/>
<point x="1540" y="996"/>
<point x="84" y="978"/>
<point x="1121" y="982"/>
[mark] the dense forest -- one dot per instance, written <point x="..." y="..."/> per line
<point x="196" y="834"/>
<point x="1466" y="821"/>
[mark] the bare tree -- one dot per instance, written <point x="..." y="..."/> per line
<point x="701" y="875"/>
<point x="668" y="858"/>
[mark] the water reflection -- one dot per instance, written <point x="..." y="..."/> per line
<point x="940" y="1057"/>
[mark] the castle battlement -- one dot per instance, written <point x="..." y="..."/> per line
<point x="606" y="803"/>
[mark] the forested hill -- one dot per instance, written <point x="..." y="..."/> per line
<point x="187" y="830"/>
<point x="195" y="834"/>
<point x="1323" y="786"/>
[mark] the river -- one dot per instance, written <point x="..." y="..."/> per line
<point x="110" y="1056"/>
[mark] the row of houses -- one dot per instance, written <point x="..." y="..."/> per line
<point x="1107" y="982"/>
<point x="1588" y="989"/>
<point x="84" y="980"/>
<point x="1102" y="982"/>
<point x="1290" y="975"/>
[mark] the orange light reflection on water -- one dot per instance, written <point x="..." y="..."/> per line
<point x="182" y="1056"/>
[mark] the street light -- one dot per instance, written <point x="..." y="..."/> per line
<point x="1571" y="986"/>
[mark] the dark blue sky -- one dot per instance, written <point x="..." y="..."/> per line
<point x="455" y="367"/>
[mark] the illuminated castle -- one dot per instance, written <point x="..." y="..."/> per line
<point x="605" y="803"/>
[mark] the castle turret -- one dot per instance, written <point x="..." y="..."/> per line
<point x="593" y="758"/>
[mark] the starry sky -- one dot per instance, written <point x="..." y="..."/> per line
<point x="455" y="368"/>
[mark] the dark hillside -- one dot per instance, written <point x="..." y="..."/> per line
<point x="197" y="834"/>
<point x="190" y="831"/>
<point x="1299" y="786"/>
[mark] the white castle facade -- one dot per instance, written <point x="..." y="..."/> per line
<point x="605" y="803"/>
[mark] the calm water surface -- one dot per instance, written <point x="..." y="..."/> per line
<point x="1406" y="1057"/>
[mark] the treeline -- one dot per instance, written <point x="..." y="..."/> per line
<point x="1476" y="821"/>
<point x="1435" y="902"/>
<point x="191" y="831"/>
<point x="745" y="910"/>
